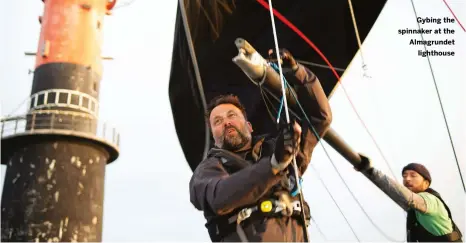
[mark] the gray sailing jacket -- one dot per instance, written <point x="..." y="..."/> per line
<point x="225" y="182"/>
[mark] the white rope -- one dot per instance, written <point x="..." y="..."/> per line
<point x="295" y="166"/>
<point x="285" y="103"/>
<point x="278" y="60"/>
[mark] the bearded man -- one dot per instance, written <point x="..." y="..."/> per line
<point x="245" y="185"/>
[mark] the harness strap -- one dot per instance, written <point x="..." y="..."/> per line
<point x="269" y="207"/>
<point x="223" y="226"/>
<point x="266" y="208"/>
<point x="454" y="236"/>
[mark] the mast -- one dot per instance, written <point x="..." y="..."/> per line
<point x="56" y="153"/>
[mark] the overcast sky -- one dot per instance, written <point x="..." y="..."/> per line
<point x="146" y="190"/>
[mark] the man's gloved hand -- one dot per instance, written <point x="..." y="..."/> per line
<point x="365" y="165"/>
<point x="286" y="59"/>
<point x="287" y="146"/>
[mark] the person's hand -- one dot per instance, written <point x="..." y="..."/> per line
<point x="365" y="165"/>
<point x="286" y="59"/>
<point x="287" y="146"/>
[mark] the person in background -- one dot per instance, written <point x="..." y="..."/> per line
<point x="429" y="218"/>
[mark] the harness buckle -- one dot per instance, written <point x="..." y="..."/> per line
<point x="297" y="206"/>
<point x="243" y="214"/>
<point x="266" y="206"/>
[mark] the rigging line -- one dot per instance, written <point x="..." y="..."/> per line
<point x="451" y="11"/>
<point x="369" y="218"/>
<point x="440" y="101"/>
<point x="301" y="34"/>
<point x="334" y="201"/>
<point x="277" y="52"/>
<point x="338" y="172"/>
<point x="318" y="65"/>
<point x="17" y="108"/>
<point x="270" y="102"/>
<point x="197" y="73"/>
<point x="318" y="229"/>
<point x="295" y="166"/>
<point x="265" y="102"/>
<point x="364" y="67"/>
<point x="356" y="31"/>
<point x="328" y="191"/>
<point x="344" y="182"/>
<point x="358" y="202"/>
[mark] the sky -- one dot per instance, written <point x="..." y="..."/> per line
<point x="146" y="189"/>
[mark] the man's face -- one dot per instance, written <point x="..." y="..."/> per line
<point x="414" y="181"/>
<point x="230" y="129"/>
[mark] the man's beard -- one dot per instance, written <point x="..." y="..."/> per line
<point x="234" y="142"/>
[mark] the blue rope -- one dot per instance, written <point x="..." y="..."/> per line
<point x="280" y="109"/>
<point x="295" y="192"/>
<point x="275" y="67"/>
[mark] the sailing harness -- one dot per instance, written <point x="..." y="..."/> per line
<point x="278" y="204"/>
<point x="417" y="233"/>
<point x="268" y="208"/>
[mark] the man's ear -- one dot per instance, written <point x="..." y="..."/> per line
<point x="249" y="126"/>
<point x="426" y="184"/>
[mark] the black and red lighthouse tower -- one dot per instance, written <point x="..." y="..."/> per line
<point x="56" y="153"/>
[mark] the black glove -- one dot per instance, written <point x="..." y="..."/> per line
<point x="286" y="147"/>
<point x="365" y="165"/>
<point x="288" y="62"/>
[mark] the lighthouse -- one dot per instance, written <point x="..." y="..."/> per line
<point x="56" y="153"/>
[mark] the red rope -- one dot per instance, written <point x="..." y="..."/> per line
<point x="301" y="34"/>
<point x="297" y="31"/>
<point x="451" y="11"/>
<point x="304" y="37"/>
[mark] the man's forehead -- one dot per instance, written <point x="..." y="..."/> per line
<point x="410" y="172"/>
<point x="223" y="109"/>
